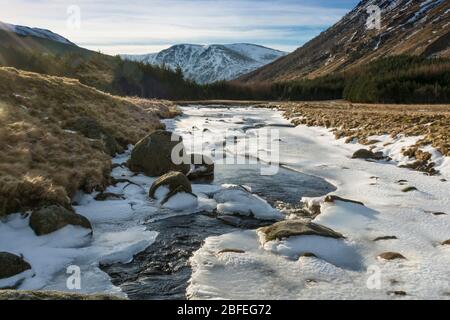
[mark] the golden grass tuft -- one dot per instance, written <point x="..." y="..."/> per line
<point x="41" y="161"/>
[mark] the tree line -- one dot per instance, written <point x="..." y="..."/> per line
<point x="396" y="79"/>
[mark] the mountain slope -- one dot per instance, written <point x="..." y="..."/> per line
<point x="414" y="27"/>
<point x="207" y="64"/>
<point x="35" y="39"/>
<point x="34" y="32"/>
<point x="42" y="51"/>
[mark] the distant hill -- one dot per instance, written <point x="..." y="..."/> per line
<point x="417" y="27"/>
<point x="45" y="52"/>
<point x="35" y="39"/>
<point x="211" y="63"/>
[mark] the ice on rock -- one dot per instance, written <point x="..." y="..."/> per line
<point x="338" y="252"/>
<point x="181" y="201"/>
<point x="161" y="192"/>
<point x="237" y="200"/>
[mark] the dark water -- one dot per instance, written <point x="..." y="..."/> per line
<point x="287" y="186"/>
<point x="162" y="271"/>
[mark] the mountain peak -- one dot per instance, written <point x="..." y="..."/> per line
<point x="214" y="62"/>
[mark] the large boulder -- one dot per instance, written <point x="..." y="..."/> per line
<point x="202" y="168"/>
<point x="237" y="200"/>
<point x="291" y="228"/>
<point x="174" y="181"/>
<point x="52" y="218"/>
<point x="367" y="154"/>
<point x="153" y="154"/>
<point x="11" y="265"/>
<point x="91" y="129"/>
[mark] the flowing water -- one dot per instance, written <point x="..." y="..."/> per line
<point x="162" y="271"/>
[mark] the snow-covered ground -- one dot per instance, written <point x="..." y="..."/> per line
<point x="119" y="230"/>
<point x="346" y="269"/>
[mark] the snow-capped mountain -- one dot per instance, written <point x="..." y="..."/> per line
<point x="34" y="32"/>
<point x="411" y="27"/>
<point x="210" y="63"/>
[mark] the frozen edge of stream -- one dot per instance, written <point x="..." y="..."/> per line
<point x="274" y="270"/>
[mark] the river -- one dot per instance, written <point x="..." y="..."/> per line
<point x="162" y="271"/>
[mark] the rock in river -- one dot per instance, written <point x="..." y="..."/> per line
<point x="52" y="218"/>
<point x="333" y="198"/>
<point x="153" y="154"/>
<point x="11" y="265"/>
<point x="290" y="228"/>
<point x="174" y="182"/>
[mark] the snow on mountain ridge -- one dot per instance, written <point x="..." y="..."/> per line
<point x="34" y="32"/>
<point x="210" y="63"/>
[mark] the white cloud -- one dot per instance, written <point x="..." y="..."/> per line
<point x="113" y="26"/>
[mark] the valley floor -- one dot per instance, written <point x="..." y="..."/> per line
<point x="405" y="212"/>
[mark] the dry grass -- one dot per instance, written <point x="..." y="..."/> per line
<point x="162" y="108"/>
<point x="364" y="120"/>
<point x="40" y="162"/>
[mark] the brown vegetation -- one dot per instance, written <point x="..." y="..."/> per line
<point x="42" y="162"/>
<point x="405" y="29"/>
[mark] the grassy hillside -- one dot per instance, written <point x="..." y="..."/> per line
<point x="394" y="79"/>
<point x="104" y="72"/>
<point x="414" y="28"/>
<point x="48" y="128"/>
<point x="36" y="44"/>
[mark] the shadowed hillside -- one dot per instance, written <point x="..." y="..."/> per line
<point x="57" y="136"/>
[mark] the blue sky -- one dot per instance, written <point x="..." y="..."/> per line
<point x="138" y="26"/>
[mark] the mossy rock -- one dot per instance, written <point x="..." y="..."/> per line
<point x="291" y="228"/>
<point x="367" y="154"/>
<point x="333" y="198"/>
<point x="409" y="189"/>
<point x="11" y="265"/>
<point x="52" y="218"/>
<point x="105" y="196"/>
<point x="52" y="295"/>
<point x="391" y="256"/>
<point x="153" y="155"/>
<point x="174" y="181"/>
